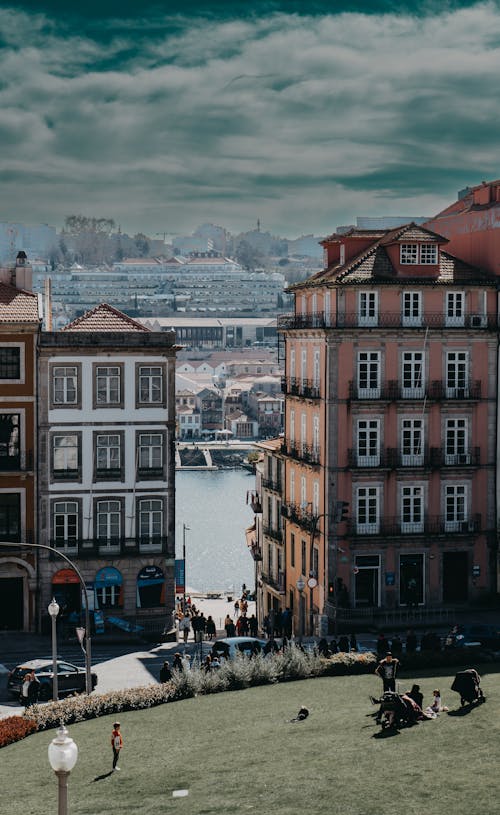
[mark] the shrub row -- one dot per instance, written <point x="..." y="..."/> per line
<point x="233" y="675"/>
<point x="15" y="728"/>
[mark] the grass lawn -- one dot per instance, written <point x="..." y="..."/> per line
<point x="237" y="752"/>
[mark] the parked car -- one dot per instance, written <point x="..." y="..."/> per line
<point x="229" y="647"/>
<point x="487" y="636"/>
<point x="70" y="678"/>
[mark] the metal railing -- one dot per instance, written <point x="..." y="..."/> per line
<point x="301" y="452"/>
<point x="392" y="458"/>
<point x="271" y="484"/>
<point x="393" y="390"/>
<point x="388" y="319"/>
<point x="275" y="534"/>
<point x="302" y="517"/>
<point x="430" y="525"/>
<point x="114" y="547"/>
<point x="305" y="388"/>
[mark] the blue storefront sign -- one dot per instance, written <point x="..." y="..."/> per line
<point x="180" y="576"/>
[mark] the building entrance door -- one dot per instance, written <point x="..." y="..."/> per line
<point x="455" y="577"/>
<point x="11" y="603"/>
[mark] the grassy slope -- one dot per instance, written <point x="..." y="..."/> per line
<point x="236" y="752"/>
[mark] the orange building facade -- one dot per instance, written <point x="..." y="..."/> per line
<point x="390" y="428"/>
<point x="19" y="331"/>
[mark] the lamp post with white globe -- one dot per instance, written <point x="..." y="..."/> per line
<point x="53" y="610"/>
<point x="63" y="754"/>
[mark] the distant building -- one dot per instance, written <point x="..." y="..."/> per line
<point x="37" y="240"/>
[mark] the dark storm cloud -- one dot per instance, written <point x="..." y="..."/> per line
<point x="304" y="120"/>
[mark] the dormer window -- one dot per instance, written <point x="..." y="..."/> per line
<point x="412" y="254"/>
<point x="428" y="254"/>
<point x="409" y="254"/>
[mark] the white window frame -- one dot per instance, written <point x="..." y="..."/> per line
<point x="65" y="452"/>
<point x="315" y="443"/>
<point x="412" y="439"/>
<point x="291" y="429"/>
<point x="69" y="374"/>
<point x="303" y="363"/>
<point x="65" y="510"/>
<point x="150" y="510"/>
<point x="368" y="438"/>
<point x="108" y="446"/>
<point x="303" y="429"/>
<point x="368" y="308"/>
<point x="367" y="510"/>
<point x="457" y="374"/>
<point x="108" y="380"/>
<point x="370" y="361"/>
<point x="108" y="514"/>
<point x="428" y="254"/>
<point x="456" y="433"/>
<point x="412" y="375"/>
<point x="408" y="254"/>
<point x="292" y="486"/>
<point x="153" y="382"/>
<point x="411" y="308"/>
<point x="327" y="306"/>
<point x="148" y="444"/>
<point x="316" y="368"/>
<point x="292" y="363"/>
<point x="454" y="308"/>
<point x="456" y="509"/>
<point x="412" y="508"/>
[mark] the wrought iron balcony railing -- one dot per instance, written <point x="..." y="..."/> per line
<point x="305" y="388"/>
<point x="392" y="390"/>
<point x="276" y="582"/>
<point x="301" y="452"/>
<point x="114" y="547"/>
<point x="271" y="484"/>
<point x="275" y="534"/>
<point x="392" y="458"/>
<point x="430" y="525"/>
<point x="300" y="516"/>
<point x="387" y="319"/>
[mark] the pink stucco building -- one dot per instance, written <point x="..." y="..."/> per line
<point x="391" y="391"/>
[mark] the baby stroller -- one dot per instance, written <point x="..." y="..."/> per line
<point x="395" y="711"/>
<point x="466" y="683"/>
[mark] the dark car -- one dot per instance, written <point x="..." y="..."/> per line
<point x="70" y="678"/>
<point x="487" y="636"/>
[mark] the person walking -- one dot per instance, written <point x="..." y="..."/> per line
<point x="24" y="695"/>
<point x="211" y="629"/>
<point x="33" y="689"/>
<point x="177" y="663"/>
<point x="185" y="627"/>
<point x="116" y="744"/>
<point x="253" y="625"/>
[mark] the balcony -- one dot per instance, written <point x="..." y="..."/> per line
<point x="114" y="547"/>
<point x="470" y="457"/>
<point x="304" y="388"/>
<point x="432" y="525"/>
<point x="297" y="515"/>
<point x="22" y="462"/>
<point x="301" y="452"/>
<point x="271" y="484"/>
<point x="275" y="534"/>
<point x="392" y="391"/>
<point x="390" y="458"/>
<point x="255" y="502"/>
<point x="276" y="582"/>
<point x="388" y="319"/>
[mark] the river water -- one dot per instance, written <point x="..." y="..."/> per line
<point x="213" y="505"/>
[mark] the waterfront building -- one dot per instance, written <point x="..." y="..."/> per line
<point x="20" y="323"/>
<point x="390" y="425"/>
<point x="107" y="466"/>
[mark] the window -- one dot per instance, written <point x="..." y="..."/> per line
<point x="303" y="364"/>
<point x="151" y="452"/>
<point x="270" y="559"/>
<point x="303" y="429"/>
<point x="412" y="509"/>
<point x="455" y="308"/>
<point x="65" y="454"/>
<point x="108" y="455"/>
<point x="108" y="385"/>
<point x="413" y="375"/>
<point x="10" y="441"/>
<point x="108" y="522"/>
<point x="368" y="308"/>
<point x="315" y="501"/>
<point x="10" y="516"/>
<point x="327" y="307"/>
<point x="292" y="486"/>
<point x="457" y="380"/>
<point x="292" y="363"/>
<point x="65" y="385"/>
<point x="108" y="596"/>
<point x="315" y="443"/>
<point x="10" y="362"/>
<point x="455" y="507"/>
<point x="291" y="432"/>
<point x="368" y="511"/>
<point x="412" y="443"/>
<point x="316" y="360"/>
<point x="65" y="524"/>
<point x="150" y="385"/>
<point x="428" y="254"/>
<point x="369" y="374"/>
<point x="150" y="512"/>
<point x="108" y="587"/>
<point x="456" y="442"/>
<point x="409" y="254"/>
<point x="412" y="308"/>
<point x="368" y="443"/>
<point x="303" y="563"/>
<point x="292" y="550"/>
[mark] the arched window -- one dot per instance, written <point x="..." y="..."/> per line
<point x="108" y="587"/>
<point x="150" y="587"/>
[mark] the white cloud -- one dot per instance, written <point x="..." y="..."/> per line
<point x="304" y="122"/>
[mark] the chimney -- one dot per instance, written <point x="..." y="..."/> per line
<point x="22" y="274"/>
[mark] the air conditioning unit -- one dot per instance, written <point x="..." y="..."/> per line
<point x="476" y="320"/>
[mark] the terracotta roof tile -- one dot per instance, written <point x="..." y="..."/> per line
<point x="17" y="305"/>
<point x="105" y="318"/>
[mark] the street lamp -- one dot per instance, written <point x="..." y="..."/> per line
<point x="185" y="529"/>
<point x="53" y="610"/>
<point x="301" y="584"/>
<point x="63" y="754"/>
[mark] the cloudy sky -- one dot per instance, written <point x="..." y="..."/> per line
<point x="163" y="115"/>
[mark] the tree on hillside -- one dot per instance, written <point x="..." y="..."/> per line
<point x="247" y="256"/>
<point x="89" y="238"/>
<point x="142" y="243"/>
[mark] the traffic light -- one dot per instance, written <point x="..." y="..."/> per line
<point x="331" y="590"/>
<point x="341" y="511"/>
